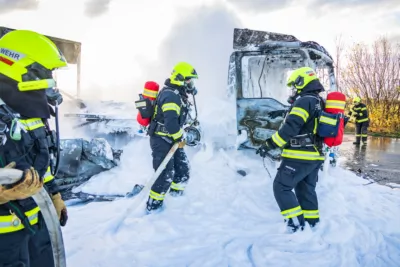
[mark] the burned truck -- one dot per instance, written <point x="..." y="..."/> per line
<point x="258" y="71"/>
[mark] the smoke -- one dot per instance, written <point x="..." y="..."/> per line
<point x="203" y="37"/>
<point x="12" y="5"/>
<point x="94" y="8"/>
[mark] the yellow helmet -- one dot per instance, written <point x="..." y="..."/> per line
<point x="356" y="100"/>
<point x="301" y="77"/>
<point x="181" y="72"/>
<point x="29" y="58"/>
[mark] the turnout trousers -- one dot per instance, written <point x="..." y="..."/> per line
<point x="174" y="177"/>
<point x="302" y="206"/>
<point x="362" y="131"/>
<point x="24" y="249"/>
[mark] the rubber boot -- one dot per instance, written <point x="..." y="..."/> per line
<point x="357" y="142"/>
<point x="154" y="205"/>
<point x="364" y="141"/>
<point x="175" y="193"/>
<point x="292" y="226"/>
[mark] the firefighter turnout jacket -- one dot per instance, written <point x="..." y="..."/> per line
<point x="360" y="112"/>
<point x="32" y="150"/>
<point x="170" y="113"/>
<point x="298" y="134"/>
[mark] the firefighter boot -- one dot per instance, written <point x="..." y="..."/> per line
<point x="357" y="142"/>
<point x="154" y="205"/>
<point x="292" y="226"/>
<point x="312" y="221"/>
<point x="364" y="140"/>
<point x="175" y="192"/>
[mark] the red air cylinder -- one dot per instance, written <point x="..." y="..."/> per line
<point x="150" y="91"/>
<point x="335" y="104"/>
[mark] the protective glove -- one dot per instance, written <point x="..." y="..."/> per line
<point x="269" y="145"/>
<point x="29" y="184"/>
<point x="60" y="208"/>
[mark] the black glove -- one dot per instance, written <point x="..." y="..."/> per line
<point x="269" y="145"/>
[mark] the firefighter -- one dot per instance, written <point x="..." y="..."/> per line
<point x="27" y="60"/>
<point x="360" y="112"/>
<point x="302" y="151"/>
<point x="170" y="113"/>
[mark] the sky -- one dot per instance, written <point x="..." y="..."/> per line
<point x="125" y="43"/>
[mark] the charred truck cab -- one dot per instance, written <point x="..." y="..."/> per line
<point x="258" y="71"/>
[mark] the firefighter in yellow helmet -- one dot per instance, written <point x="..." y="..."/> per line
<point x="27" y="60"/>
<point x="360" y="112"/>
<point x="302" y="151"/>
<point x="170" y="114"/>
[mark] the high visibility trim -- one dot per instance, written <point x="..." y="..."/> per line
<point x="32" y="124"/>
<point x="364" y="135"/>
<point x="47" y="177"/>
<point x="171" y="106"/>
<point x="357" y="135"/>
<point x="173" y="136"/>
<point x="362" y="120"/>
<point x="278" y="140"/>
<point x="302" y="113"/>
<point x="337" y="104"/>
<point x="290" y="213"/>
<point x="328" y="120"/>
<point x="364" y="108"/>
<point x="177" y="135"/>
<point x="304" y="155"/>
<point x="149" y="93"/>
<point x="11" y="223"/>
<point x="315" y="125"/>
<point x="311" y="214"/>
<point x="180" y="187"/>
<point x="156" y="196"/>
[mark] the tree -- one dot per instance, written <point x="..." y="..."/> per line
<point x="373" y="73"/>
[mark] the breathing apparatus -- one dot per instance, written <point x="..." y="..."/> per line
<point x="54" y="98"/>
<point x="192" y="131"/>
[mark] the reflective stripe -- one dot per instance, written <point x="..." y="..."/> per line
<point x="171" y="106"/>
<point x="357" y="135"/>
<point x="177" y="135"/>
<point x="364" y="135"/>
<point x="315" y="125"/>
<point x="178" y="186"/>
<point x="32" y="124"/>
<point x="364" y="108"/>
<point x="328" y="120"/>
<point x="304" y="155"/>
<point x="149" y="93"/>
<point x="311" y="214"/>
<point x="302" y="113"/>
<point x="11" y="223"/>
<point x="47" y="177"/>
<point x="362" y="120"/>
<point x="174" y="136"/>
<point x="156" y="196"/>
<point x="337" y="104"/>
<point x="278" y="140"/>
<point x="290" y="213"/>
